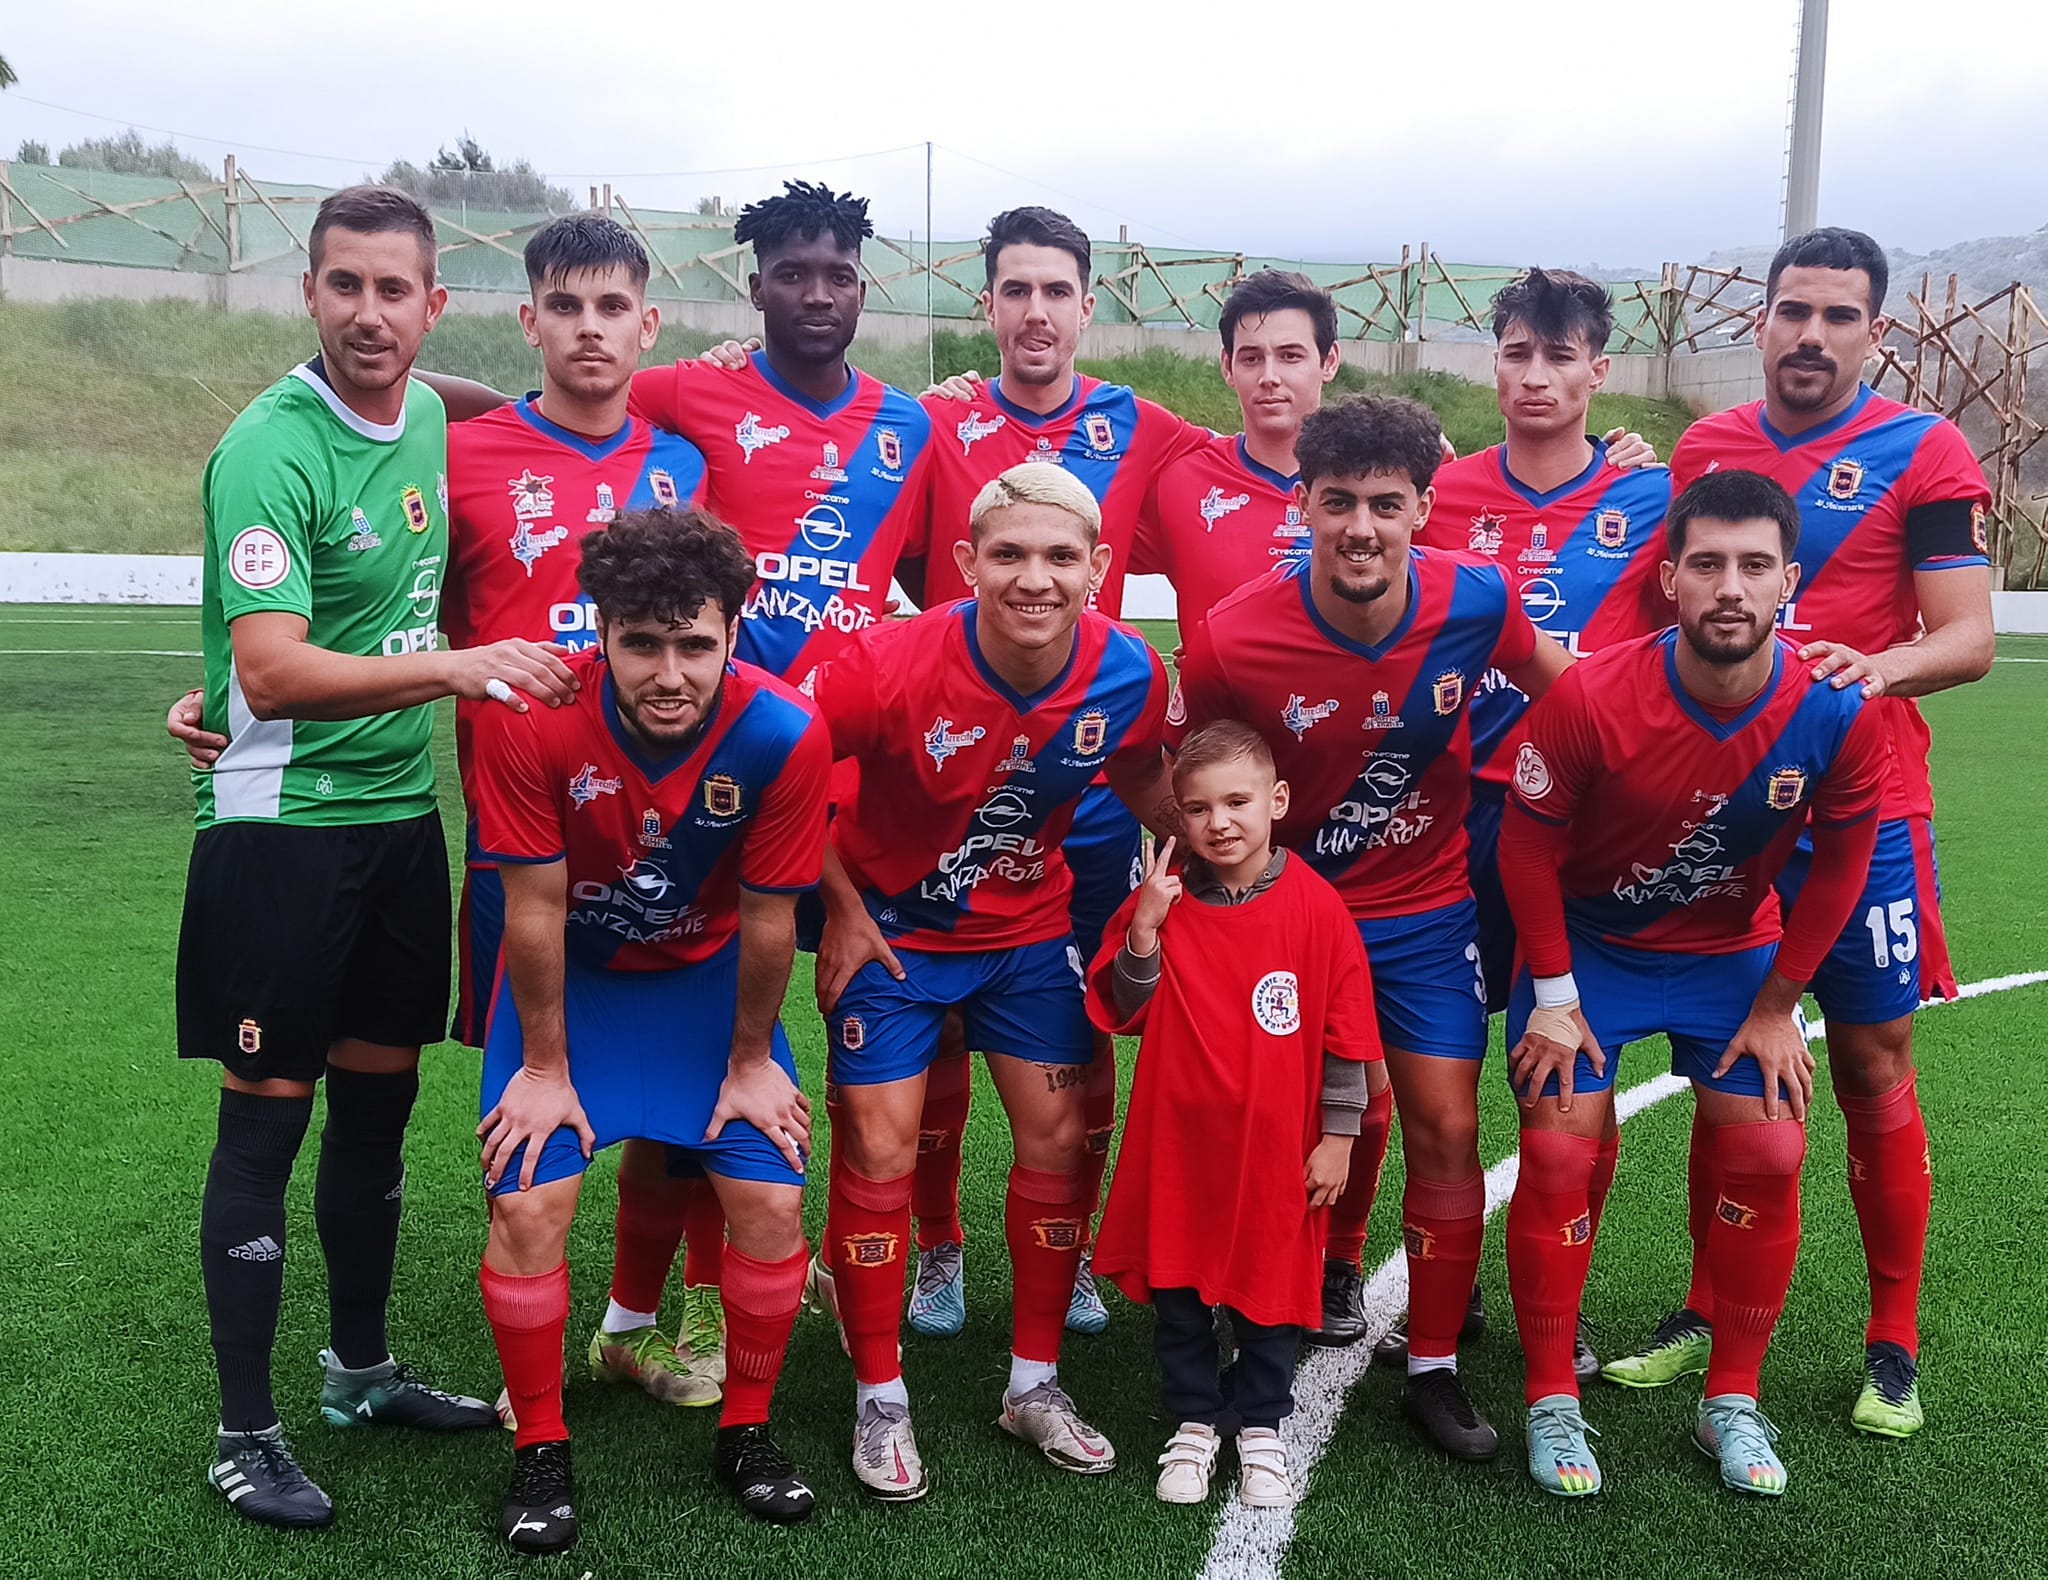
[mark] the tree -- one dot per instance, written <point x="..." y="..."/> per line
<point x="32" y="152"/>
<point x="128" y="154"/>
<point x="466" y="174"/>
<point x="7" y="76"/>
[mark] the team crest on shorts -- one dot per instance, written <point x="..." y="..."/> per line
<point x="1845" y="479"/>
<point x="722" y="795"/>
<point x="1448" y="692"/>
<point x="1056" y="1234"/>
<point x="1734" y="1214"/>
<point x="1091" y="729"/>
<point x="1578" y="1232"/>
<point x="870" y="1250"/>
<point x="853" y="1034"/>
<point x="1276" y="1003"/>
<point x="1420" y="1243"/>
<point x="1786" y="789"/>
<point x="890" y="444"/>
<point x="415" y="510"/>
<point x="666" y="494"/>
<point x="249" y="1037"/>
<point x="1610" y="529"/>
<point x="1101" y="436"/>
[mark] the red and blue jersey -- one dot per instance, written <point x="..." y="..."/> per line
<point x="1375" y="741"/>
<point x="1583" y="558"/>
<point x="1106" y="436"/>
<point x="657" y="849"/>
<point x="1214" y="520"/>
<point x="827" y="496"/>
<point x="1681" y="816"/>
<point x="968" y="788"/>
<point x="1864" y="483"/>
<point x="522" y="494"/>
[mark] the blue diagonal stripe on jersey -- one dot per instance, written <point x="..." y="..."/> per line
<point x="684" y="463"/>
<point x="1885" y="452"/>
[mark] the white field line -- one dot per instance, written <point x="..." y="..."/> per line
<point x="1250" y="1544"/>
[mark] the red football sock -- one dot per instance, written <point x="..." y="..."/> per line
<point x="703" y="1238"/>
<point x="1752" y="1244"/>
<point x="1044" y="1219"/>
<point x="935" y="1187"/>
<point x="1550" y="1246"/>
<point x="1702" y="1190"/>
<point x="1098" y="1112"/>
<point x="1606" y="1159"/>
<point x="868" y="1225"/>
<point x="1891" y="1180"/>
<point x="761" y="1300"/>
<point x="1345" y="1241"/>
<point x="528" y="1317"/>
<point x="647" y="1231"/>
<point x="1444" y="1224"/>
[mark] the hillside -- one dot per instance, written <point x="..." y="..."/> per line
<point x="108" y="409"/>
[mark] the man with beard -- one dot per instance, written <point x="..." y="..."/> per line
<point x="1659" y="789"/>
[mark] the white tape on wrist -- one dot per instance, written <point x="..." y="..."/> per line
<point x="1557" y="992"/>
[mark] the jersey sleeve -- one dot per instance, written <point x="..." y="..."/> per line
<point x="784" y="848"/>
<point x="1946" y="497"/>
<point x="518" y="817"/>
<point x="1149" y="733"/>
<point x="1151" y="545"/>
<point x="1516" y="644"/>
<point x="1557" y="753"/>
<point x="848" y="696"/>
<point x="663" y="397"/>
<point x="916" y="506"/>
<point x="1199" y="693"/>
<point x="1688" y="462"/>
<point x="1169" y="437"/>
<point x="260" y="513"/>
<point x="1853" y="786"/>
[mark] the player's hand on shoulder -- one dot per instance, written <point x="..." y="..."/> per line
<point x="1628" y="451"/>
<point x="1159" y="893"/>
<point x="1329" y="1166"/>
<point x="1550" y="1046"/>
<point x="849" y="943"/>
<point x="184" y="722"/>
<point x="959" y="386"/>
<point x="1778" y="1044"/>
<point x="1843" y="666"/>
<point x="761" y="1093"/>
<point x="730" y="354"/>
<point x="501" y="671"/>
<point x="533" y="1106"/>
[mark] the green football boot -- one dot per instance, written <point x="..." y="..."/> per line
<point x="1679" y="1348"/>
<point x="1889" y="1405"/>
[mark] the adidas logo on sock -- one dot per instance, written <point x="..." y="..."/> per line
<point x="260" y="1249"/>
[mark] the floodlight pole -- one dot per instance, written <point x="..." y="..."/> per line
<point x="931" y="341"/>
<point x="1802" y="156"/>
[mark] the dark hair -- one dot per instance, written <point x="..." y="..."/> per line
<point x="1556" y="304"/>
<point x="1036" y="227"/>
<point x="1221" y="741"/>
<point x="1733" y="496"/>
<point x="1275" y="291"/>
<point x="1832" y="247"/>
<point x="373" y="211"/>
<point x="664" y="565"/>
<point x="804" y="212"/>
<point x="583" y="241"/>
<point x="1371" y="433"/>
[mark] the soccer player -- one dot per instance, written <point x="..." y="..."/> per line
<point x="979" y="726"/>
<point x="652" y="839"/>
<point x="1358" y="666"/>
<point x="1895" y="598"/>
<point x="315" y="933"/>
<point x="1247" y="977"/>
<point x="1659" y="788"/>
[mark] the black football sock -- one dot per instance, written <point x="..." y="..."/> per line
<point x="241" y="1245"/>
<point x="357" y="1199"/>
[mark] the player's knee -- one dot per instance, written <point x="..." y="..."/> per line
<point x="770" y="1226"/>
<point x="1868" y="1061"/>
<point x="530" y="1228"/>
<point x="1441" y="1146"/>
<point x="1056" y="1144"/>
<point x="873" y="1145"/>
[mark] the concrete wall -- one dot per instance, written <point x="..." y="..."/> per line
<point x="1711" y="381"/>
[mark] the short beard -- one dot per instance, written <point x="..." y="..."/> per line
<point x="1801" y="401"/>
<point x="1351" y="594"/>
<point x="1725" y="657"/>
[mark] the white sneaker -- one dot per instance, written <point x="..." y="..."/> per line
<point x="1188" y="1463"/>
<point x="821" y="1294"/>
<point x="885" y="1454"/>
<point x="1262" y="1463"/>
<point x="1045" y="1417"/>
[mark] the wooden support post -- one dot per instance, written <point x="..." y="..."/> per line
<point x="231" y="175"/>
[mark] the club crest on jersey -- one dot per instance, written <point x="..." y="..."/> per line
<point x="722" y="795"/>
<point x="606" y="510"/>
<point x="853" y="1033"/>
<point x="1300" y="715"/>
<point x="529" y="545"/>
<point x="532" y="497"/>
<point x="943" y="741"/>
<point x="1578" y="1232"/>
<point x="1448" y="692"/>
<point x="249" y="1037"/>
<point x="361" y="534"/>
<point x="1046" y="453"/>
<point x="1734" y="1214"/>
<point x="1276" y="1003"/>
<point x="1056" y="1234"/>
<point x="666" y="494"/>
<point x="1487" y="529"/>
<point x="1019" y="761"/>
<point x="753" y="436"/>
<point x="1216" y="505"/>
<point x="828" y="470"/>
<point x="1845" y="479"/>
<point x="890" y="445"/>
<point x="1610" y="529"/>
<point x="650" y="830"/>
<point x="1420" y="1243"/>
<point x="1091" y="729"/>
<point x="1100" y="434"/>
<point x="587" y="786"/>
<point x="416" y="519"/>
<point x="1785" y="789"/>
<point x="973" y="430"/>
<point x="1383" y="716"/>
<point x="870" y="1250"/>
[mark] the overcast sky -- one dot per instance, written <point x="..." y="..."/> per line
<point x="1495" y="130"/>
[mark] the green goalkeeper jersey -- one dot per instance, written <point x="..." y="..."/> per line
<point x="311" y="510"/>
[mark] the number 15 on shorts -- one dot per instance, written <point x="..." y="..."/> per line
<point x="1893" y="935"/>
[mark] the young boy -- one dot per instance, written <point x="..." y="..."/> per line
<point x="1256" y="1008"/>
